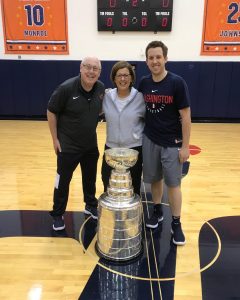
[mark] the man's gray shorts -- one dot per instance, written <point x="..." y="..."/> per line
<point x="161" y="162"/>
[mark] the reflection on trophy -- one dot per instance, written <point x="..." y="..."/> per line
<point x="119" y="210"/>
<point x="116" y="286"/>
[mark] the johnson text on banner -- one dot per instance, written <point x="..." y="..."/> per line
<point x="35" y="26"/>
<point x="221" y="28"/>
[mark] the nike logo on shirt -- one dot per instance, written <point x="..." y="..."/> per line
<point x="75" y="97"/>
<point x="154" y="91"/>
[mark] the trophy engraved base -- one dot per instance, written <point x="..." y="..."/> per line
<point x="119" y="228"/>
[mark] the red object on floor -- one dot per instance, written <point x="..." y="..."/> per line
<point x="194" y="150"/>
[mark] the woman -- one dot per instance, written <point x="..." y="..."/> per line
<point x="124" y="110"/>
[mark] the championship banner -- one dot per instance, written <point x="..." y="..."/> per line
<point x="35" y="26"/>
<point x="221" y="28"/>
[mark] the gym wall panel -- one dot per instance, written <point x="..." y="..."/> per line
<point x="6" y="88"/>
<point x="234" y="94"/>
<point x="205" y="90"/>
<point x="27" y="85"/>
<point x="222" y="86"/>
<point x="21" y="85"/>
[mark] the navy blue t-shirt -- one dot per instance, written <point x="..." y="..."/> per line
<point x="163" y="101"/>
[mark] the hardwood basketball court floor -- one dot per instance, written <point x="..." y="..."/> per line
<point x="37" y="263"/>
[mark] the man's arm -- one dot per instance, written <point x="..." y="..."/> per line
<point x="52" y="123"/>
<point x="184" y="152"/>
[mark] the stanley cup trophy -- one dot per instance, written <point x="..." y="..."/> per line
<point x="119" y="211"/>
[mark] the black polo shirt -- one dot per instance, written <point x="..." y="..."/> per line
<point x="77" y="114"/>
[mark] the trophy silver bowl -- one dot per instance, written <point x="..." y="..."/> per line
<point x="119" y="210"/>
<point x="121" y="159"/>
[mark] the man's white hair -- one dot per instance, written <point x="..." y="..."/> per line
<point x="91" y="59"/>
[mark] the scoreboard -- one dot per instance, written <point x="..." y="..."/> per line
<point x="135" y="15"/>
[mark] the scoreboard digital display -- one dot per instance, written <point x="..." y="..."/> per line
<point x="135" y="15"/>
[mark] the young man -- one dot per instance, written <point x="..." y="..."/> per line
<point x="73" y="111"/>
<point x="166" y="135"/>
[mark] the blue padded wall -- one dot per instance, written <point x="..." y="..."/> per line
<point x="234" y="93"/>
<point x="27" y="85"/>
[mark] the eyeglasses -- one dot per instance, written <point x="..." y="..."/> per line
<point x="89" y="67"/>
<point x="125" y="76"/>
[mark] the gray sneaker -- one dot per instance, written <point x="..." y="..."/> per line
<point x="178" y="237"/>
<point x="58" y="223"/>
<point x="154" y="220"/>
<point x="92" y="211"/>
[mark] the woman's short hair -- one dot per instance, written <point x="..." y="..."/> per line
<point x="120" y="65"/>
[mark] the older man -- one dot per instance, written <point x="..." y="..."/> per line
<point x="72" y="113"/>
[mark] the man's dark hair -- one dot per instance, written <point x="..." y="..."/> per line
<point x="155" y="44"/>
